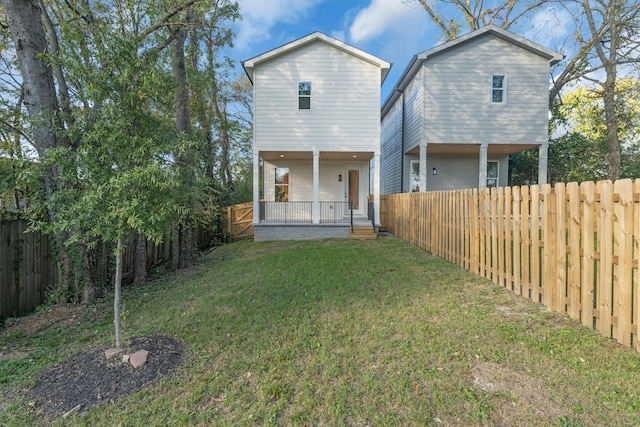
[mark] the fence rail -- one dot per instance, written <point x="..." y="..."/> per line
<point x="574" y="248"/>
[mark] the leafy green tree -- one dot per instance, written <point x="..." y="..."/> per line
<point x="120" y="146"/>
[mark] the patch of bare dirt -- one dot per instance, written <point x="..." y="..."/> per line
<point x="65" y="315"/>
<point x="89" y="379"/>
<point x="528" y="396"/>
<point x="62" y="314"/>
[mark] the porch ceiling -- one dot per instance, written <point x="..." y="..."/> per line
<point x="324" y="155"/>
<point x="459" y="149"/>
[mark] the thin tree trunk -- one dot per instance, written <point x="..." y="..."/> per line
<point x="607" y="50"/>
<point x="183" y="128"/>
<point x="116" y="299"/>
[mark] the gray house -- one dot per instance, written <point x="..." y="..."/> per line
<point x="460" y="108"/>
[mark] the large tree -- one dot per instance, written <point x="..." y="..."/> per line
<point x="108" y="96"/>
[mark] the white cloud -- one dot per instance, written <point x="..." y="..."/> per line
<point x="260" y="16"/>
<point x="394" y="30"/>
<point x="380" y="16"/>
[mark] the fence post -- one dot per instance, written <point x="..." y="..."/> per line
<point x="622" y="249"/>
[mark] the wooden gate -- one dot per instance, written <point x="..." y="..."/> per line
<point x="239" y="221"/>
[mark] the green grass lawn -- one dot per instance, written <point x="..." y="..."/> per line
<point x="340" y="332"/>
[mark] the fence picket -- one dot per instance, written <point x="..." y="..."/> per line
<point x="501" y="238"/>
<point x="510" y="232"/>
<point x="560" y="249"/>
<point x="525" y="240"/>
<point x="589" y="248"/>
<point x="536" y="260"/>
<point x="575" y="246"/>
<point x="549" y="224"/>
<point x="605" y="243"/>
<point x="516" y="285"/>
<point x="622" y="249"/>
<point x="635" y="277"/>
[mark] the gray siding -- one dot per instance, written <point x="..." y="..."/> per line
<point x="390" y="150"/>
<point x="457" y="172"/>
<point x="413" y="114"/>
<point x="457" y="94"/>
<point x="391" y="142"/>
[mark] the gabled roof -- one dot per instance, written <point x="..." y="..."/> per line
<point x="416" y="62"/>
<point x="250" y="64"/>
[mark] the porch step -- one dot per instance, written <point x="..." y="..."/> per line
<point x="363" y="232"/>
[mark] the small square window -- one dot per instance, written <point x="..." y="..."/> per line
<point x="304" y="95"/>
<point x="498" y="87"/>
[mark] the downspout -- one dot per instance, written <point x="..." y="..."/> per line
<point x="401" y="143"/>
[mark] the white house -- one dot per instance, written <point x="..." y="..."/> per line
<point x="460" y="108"/>
<point x="316" y="145"/>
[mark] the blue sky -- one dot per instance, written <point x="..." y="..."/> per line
<point x="390" y="29"/>
<point x="393" y="30"/>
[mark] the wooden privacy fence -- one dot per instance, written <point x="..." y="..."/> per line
<point x="574" y="248"/>
<point x="28" y="268"/>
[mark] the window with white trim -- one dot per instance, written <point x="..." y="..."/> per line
<point x="282" y="184"/>
<point x="498" y="89"/>
<point x="304" y="95"/>
<point x="414" y="184"/>
<point x="492" y="173"/>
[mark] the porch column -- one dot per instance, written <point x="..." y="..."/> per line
<point x="376" y="189"/>
<point x="256" y="188"/>
<point x="423" y="167"/>
<point x="315" y="215"/>
<point x="482" y="176"/>
<point x="543" y="152"/>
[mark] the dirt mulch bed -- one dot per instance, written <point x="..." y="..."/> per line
<point x="89" y="379"/>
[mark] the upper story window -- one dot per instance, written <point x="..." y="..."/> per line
<point x="498" y="89"/>
<point x="304" y="95"/>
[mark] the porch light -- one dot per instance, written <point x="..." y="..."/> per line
<point x="354" y="156"/>
<point x="340" y="177"/>
<point x="435" y="171"/>
<point x="281" y="155"/>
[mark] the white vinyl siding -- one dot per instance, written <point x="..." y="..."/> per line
<point x="331" y="189"/>
<point x="456" y="96"/>
<point x="345" y="104"/>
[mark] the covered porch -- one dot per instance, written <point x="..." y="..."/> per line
<point x="438" y="166"/>
<point x="322" y="189"/>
